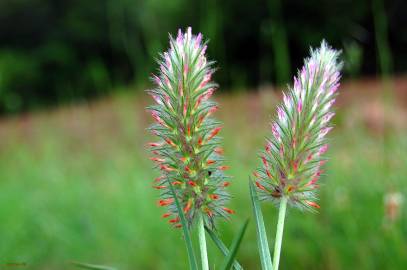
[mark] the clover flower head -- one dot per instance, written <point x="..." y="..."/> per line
<point x="294" y="154"/>
<point x="188" y="152"/>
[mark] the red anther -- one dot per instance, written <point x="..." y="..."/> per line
<point x="178" y="226"/>
<point x="256" y="174"/>
<point x="266" y="164"/>
<point x="183" y="159"/>
<point x="189" y="130"/>
<point x="157" y="118"/>
<point x="260" y="186"/>
<point x="154" y="152"/>
<point x="294" y="142"/>
<point x="153" y="144"/>
<point x="226" y="184"/>
<point x="169" y="142"/>
<point x="269" y="174"/>
<point x="290" y="188"/>
<point x="192" y="183"/>
<point x="210" y="161"/>
<point x="200" y="141"/>
<point x="176" y="183"/>
<point x="213" y="133"/>
<point x="156" y="159"/>
<point x="312" y="204"/>
<point x="166" y="215"/>
<point x="219" y="150"/>
<point x="185" y="108"/>
<point x="187" y="169"/>
<point x="209" y="93"/>
<point x="158" y="179"/>
<point x="166" y="168"/>
<point x="230" y="211"/>
<point x="200" y="120"/>
<point x="267" y="148"/>
<point x="295" y="166"/>
<point x="213" y="109"/>
<point x="313" y="181"/>
<point x="214" y="196"/>
<point x="180" y="89"/>
<point x="159" y="187"/>
<point x="209" y="212"/>
<point x="174" y="220"/>
<point x="281" y="150"/>
<point x="223" y="168"/>
<point x="188" y="206"/>
<point x="165" y="202"/>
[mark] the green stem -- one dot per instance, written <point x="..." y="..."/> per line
<point x="202" y="243"/>
<point x="279" y="234"/>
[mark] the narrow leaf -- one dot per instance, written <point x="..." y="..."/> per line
<point x="263" y="246"/>
<point x="92" y="266"/>
<point x="191" y="255"/>
<point x="227" y="263"/>
<point x="222" y="247"/>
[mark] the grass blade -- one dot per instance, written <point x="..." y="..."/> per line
<point x="187" y="237"/>
<point x="234" y="247"/>
<point x="222" y="247"/>
<point x="263" y="246"/>
<point x="92" y="266"/>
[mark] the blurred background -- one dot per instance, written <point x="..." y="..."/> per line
<point x="75" y="178"/>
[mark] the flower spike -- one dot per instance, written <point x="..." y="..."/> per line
<point x="188" y="152"/>
<point x="293" y="156"/>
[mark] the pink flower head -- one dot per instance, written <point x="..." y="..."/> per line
<point x="188" y="155"/>
<point x="295" y="152"/>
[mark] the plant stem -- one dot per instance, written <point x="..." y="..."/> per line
<point x="279" y="233"/>
<point x="202" y="243"/>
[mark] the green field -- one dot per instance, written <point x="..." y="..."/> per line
<point x="76" y="183"/>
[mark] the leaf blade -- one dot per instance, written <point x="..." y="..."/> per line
<point x="227" y="263"/>
<point x="264" y="251"/>
<point x="222" y="247"/>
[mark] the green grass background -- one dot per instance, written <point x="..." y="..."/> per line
<point x="75" y="185"/>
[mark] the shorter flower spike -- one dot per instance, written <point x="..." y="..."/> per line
<point x="293" y="156"/>
<point x="188" y="152"/>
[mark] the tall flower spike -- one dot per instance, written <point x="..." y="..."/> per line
<point x="293" y="156"/>
<point x="187" y="153"/>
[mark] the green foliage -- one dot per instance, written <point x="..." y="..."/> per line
<point x="352" y="58"/>
<point x="75" y="50"/>
<point x="18" y="74"/>
<point x="75" y="186"/>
